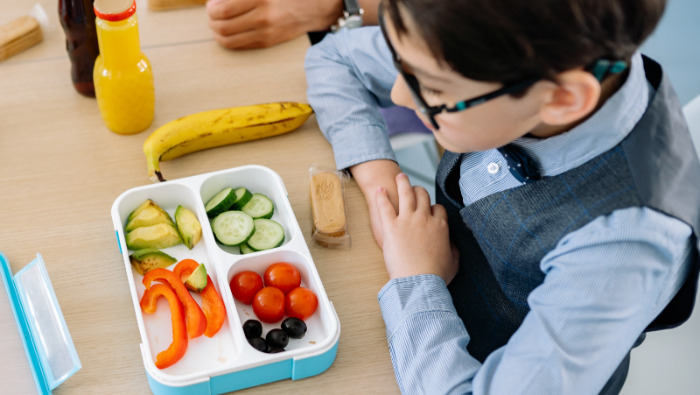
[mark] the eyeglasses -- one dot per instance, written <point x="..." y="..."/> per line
<point x="432" y="111"/>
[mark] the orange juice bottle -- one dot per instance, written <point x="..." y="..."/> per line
<point x="122" y="76"/>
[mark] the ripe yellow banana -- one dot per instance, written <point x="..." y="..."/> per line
<point x="215" y="128"/>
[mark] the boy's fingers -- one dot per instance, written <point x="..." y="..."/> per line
<point x="384" y="207"/>
<point x="407" y="199"/>
<point x="439" y="211"/>
<point x="422" y="197"/>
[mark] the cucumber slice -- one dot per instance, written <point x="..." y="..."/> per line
<point x="233" y="227"/>
<point x="245" y="248"/>
<point x="221" y="202"/>
<point x="259" y="206"/>
<point x="268" y="234"/>
<point x="243" y="196"/>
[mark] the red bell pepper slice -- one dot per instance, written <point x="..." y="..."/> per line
<point x="212" y="304"/>
<point x="196" y="321"/>
<point x="177" y="316"/>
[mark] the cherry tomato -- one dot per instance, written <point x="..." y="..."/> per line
<point x="268" y="304"/>
<point x="301" y="303"/>
<point x="244" y="285"/>
<point x="282" y="275"/>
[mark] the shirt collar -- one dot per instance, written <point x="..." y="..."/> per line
<point x="599" y="133"/>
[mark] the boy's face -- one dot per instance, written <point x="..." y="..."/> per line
<point x="488" y="125"/>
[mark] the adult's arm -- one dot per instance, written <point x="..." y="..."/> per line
<point x="244" y="24"/>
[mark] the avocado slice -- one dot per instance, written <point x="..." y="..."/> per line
<point x="189" y="227"/>
<point x="147" y="217"/>
<point x="147" y="214"/>
<point x="148" y="259"/>
<point x="158" y="236"/>
<point x="198" y="279"/>
<point x="142" y="206"/>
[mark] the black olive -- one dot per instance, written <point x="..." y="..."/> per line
<point x="277" y="338"/>
<point x="252" y="328"/>
<point x="275" y="350"/>
<point x="258" y="343"/>
<point x="294" y="327"/>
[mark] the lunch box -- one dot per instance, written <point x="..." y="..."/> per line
<point x="227" y="362"/>
<point x="42" y="333"/>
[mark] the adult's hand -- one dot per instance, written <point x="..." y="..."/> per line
<point x="240" y="24"/>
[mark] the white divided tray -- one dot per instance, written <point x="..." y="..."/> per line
<point x="226" y="362"/>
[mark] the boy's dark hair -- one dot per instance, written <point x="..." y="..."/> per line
<point x="510" y="40"/>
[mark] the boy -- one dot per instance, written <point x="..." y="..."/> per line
<point x="568" y="217"/>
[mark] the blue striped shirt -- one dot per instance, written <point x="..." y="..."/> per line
<point x="586" y="315"/>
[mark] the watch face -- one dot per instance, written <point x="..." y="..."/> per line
<point x="353" y="21"/>
<point x="352" y="16"/>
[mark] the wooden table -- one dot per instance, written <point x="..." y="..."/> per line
<point x="61" y="170"/>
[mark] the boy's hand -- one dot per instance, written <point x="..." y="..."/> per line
<point x="416" y="239"/>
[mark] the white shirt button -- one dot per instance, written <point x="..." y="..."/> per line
<point x="493" y="168"/>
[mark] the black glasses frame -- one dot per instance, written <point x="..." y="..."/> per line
<point x="432" y="111"/>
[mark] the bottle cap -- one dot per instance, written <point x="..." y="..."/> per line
<point x="114" y="10"/>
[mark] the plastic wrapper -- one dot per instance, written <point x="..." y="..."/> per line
<point x="164" y="5"/>
<point x="22" y="33"/>
<point x="327" y="194"/>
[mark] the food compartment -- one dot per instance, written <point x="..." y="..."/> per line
<point x="256" y="179"/>
<point x="321" y="325"/>
<point x="204" y="355"/>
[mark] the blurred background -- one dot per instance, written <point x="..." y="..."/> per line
<point x="668" y="362"/>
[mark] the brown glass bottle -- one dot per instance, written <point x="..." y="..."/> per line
<point x="78" y="20"/>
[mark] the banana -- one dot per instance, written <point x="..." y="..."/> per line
<point x="214" y="128"/>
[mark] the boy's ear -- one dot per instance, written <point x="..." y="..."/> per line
<point x="571" y="99"/>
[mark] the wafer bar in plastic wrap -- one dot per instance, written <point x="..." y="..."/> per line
<point x="327" y="193"/>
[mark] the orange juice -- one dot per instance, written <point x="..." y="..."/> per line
<point x="122" y="76"/>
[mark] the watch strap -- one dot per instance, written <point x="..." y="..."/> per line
<point x="352" y="7"/>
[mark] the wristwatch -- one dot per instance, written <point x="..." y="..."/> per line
<point x="352" y="16"/>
